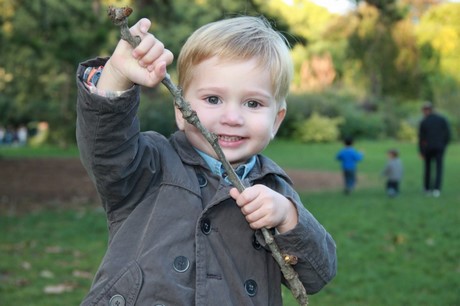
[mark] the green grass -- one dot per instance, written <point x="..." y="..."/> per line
<point x="42" y="151"/>
<point x="401" y="251"/>
<point x="46" y="249"/>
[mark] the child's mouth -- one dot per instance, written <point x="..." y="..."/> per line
<point x="226" y="138"/>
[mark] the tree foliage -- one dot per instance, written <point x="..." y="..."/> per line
<point x="41" y="43"/>
<point x="384" y="45"/>
<point x="439" y="29"/>
<point x="403" y="49"/>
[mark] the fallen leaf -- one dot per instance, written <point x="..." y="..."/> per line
<point x="430" y="241"/>
<point x="26" y="265"/>
<point x="46" y="274"/>
<point x="53" y="249"/>
<point x="82" y="274"/>
<point x="58" y="289"/>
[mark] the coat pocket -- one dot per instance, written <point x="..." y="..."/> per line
<point x="122" y="289"/>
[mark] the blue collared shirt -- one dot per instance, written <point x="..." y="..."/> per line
<point x="217" y="168"/>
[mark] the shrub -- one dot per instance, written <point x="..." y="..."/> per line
<point x="302" y="106"/>
<point x="407" y="132"/>
<point x="362" y="124"/>
<point x="319" y="129"/>
<point x="156" y="112"/>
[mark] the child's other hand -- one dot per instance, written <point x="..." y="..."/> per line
<point x="264" y="207"/>
<point x="144" y="65"/>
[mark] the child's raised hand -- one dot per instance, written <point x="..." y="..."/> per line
<point x="144" y="65"/>
<point x="264" y="207"/>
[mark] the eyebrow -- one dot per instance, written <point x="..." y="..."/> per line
<point x="261" y="93"/>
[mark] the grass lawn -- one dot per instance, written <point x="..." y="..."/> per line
<point x="401" y="251"/>
<point x="43" y="151"/>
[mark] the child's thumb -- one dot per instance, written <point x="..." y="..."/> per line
<point x="234" y="193"/>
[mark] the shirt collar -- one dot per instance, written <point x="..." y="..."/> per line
<point x="217" y="168"/>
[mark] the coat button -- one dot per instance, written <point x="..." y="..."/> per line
<point x="202" y="181"/>
<point x="255" y="242"/>
<point x="251" y="287"/>
<point x="117" y="300"/>
<point x="206" y="226"/>
<point x="181" y="264"/>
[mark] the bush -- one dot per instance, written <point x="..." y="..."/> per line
<point x="302" y="106"/>
<point x="407" y="132"/>
<point x="362" y="124"/>
<point x="156" y="112"/>
<point x="319" y="129"/>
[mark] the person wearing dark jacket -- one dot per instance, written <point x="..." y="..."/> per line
<point x="179" y="232"/>
<point x="433" y="138"/>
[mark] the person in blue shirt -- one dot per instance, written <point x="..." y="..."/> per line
<point x="349" y="158"/>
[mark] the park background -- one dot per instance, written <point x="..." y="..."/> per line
<point x="364" y="73"/>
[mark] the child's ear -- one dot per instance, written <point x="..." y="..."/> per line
<point x="180" y="121"/>
<point x="280" y="115"/>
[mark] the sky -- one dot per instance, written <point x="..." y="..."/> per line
<point x="335" y="6"/>
<point x="342" y="6"/>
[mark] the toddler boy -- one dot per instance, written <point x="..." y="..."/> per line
<point x="179" y="233"/>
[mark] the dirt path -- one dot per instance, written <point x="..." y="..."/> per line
<point x="42" y="182"/>
<point x="39" y="182"/>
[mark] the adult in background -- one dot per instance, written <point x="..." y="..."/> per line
<point x="433" y="138"/>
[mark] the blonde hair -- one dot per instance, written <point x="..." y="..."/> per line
<point x="239" y="38"/>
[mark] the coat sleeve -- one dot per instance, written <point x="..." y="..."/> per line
<point x="422" y="137"/>
<point x="447" y="133"/>
<point x="311" y="244"/>
<point x="115" y="154"/>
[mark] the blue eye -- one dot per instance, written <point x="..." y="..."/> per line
<point x="253" y="104"/>
<point x="212" y="100"/>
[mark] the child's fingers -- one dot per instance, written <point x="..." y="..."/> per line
<point x="247" y="200"/>
<point x="146" y="45"/>
<point x="141" y="27"/>
<point x="149" y="51"/>
<point x="159" y="65"/>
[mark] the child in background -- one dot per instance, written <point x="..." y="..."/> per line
<point x="393" y="172"/>
<point x="349" y="158"/>
<point x="179" y="233"/>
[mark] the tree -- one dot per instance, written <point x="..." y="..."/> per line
<point x="314" y="69"/>
<point x="42" y="42"/>
<point x="438" y="36"/>
<point x="383" y="45"/>
<point x="439" y="28"/>
<point x="175" y="20"/>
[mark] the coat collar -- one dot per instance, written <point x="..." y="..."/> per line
<point x="264" y="165"/>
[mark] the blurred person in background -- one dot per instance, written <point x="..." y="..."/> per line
<point x="349" y="158"/>
<point x="393" y="172"/>
<point x="433" y="138"/>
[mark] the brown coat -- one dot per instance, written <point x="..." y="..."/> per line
<point x="176" y="237"/>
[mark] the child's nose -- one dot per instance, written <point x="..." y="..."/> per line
<point x="232" y="115"/>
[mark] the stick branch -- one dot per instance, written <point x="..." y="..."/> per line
<point x="119" y="17"/>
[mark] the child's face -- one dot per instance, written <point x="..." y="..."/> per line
<point x="234" y="100"/>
